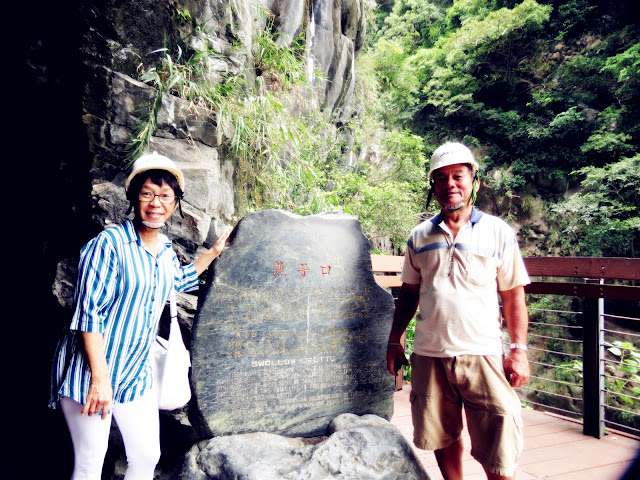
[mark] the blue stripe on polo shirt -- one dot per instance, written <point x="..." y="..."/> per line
<point x="432" y="246"/>
<point x="434" y="228"/>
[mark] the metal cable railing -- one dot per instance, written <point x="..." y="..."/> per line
<point x="557" y="371"/>
<point x="548" y="390"/>
<point x="622" y="373"/>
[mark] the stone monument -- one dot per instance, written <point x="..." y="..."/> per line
<point x="291" y="330"/>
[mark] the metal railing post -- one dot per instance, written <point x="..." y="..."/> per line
<point x="593" y="357"/>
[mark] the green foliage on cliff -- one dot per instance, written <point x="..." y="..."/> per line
<point x="296" y="159"/>
<point x="604" y="217"/>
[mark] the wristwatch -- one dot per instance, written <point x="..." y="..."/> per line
<point x="518" y="346"/>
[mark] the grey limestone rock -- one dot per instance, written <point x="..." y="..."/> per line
<point x="292" y="329"/>
<point x="358" y="448"/>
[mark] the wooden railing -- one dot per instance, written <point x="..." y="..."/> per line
<point x="582" y="277"/>
<point x="387" y="268"/>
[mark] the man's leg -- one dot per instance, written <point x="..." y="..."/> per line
<point x="436" y="411"/>
<point x="450" y="460"/>
<point x="495" y="476"/>
<point x="493" y="415"/>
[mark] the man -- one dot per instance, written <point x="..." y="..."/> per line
<point x="455" y="267"/>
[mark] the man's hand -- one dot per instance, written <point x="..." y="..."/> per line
<point x="516" y="368"/>
<point x="514" y="309"/>
<point x="406" y="306"/>
<point x="395" y="355"/>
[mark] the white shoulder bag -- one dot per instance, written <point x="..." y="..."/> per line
<point x="170" y="362"/>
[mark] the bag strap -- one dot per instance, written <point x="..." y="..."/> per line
<point x="173" y="307"/>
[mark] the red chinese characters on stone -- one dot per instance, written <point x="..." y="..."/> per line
<point x="304" y="270"/>
<point x="279" y="270"/>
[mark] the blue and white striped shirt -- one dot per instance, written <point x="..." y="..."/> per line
<point x="121" y="292"/>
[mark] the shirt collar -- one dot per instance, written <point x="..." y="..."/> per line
<point x="132" y="236"/>
<point x="130" y="232"/>
<point x="476" y="215"/>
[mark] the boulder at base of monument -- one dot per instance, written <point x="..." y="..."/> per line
<point x="292" y="329"/>
<point x="363" y="448"/>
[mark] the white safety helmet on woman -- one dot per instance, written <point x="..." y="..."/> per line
<point x="147" y="163"/>
<point x="154" y="161"/>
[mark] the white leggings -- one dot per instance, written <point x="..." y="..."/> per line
<point x="139" y="425"/>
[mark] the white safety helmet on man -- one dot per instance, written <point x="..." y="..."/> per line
<point x="154" y="161"/>
<point x="452" y="153"/>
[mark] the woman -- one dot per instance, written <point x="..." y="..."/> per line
<point x="102" y="363"/>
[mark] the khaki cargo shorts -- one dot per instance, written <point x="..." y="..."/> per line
<point x="439" y="389"/>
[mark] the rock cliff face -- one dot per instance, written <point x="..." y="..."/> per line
<point x="119" y="39"/>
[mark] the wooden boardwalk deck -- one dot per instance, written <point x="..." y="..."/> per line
<point x="554" y="448"/>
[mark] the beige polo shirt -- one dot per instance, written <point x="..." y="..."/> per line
<point x="459" y="281"/>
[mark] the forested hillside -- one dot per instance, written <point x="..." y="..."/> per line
<point x="547" y="95"/>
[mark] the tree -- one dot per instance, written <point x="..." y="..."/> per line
<point x="604" y="219"/>
<point x="412" y="23"/>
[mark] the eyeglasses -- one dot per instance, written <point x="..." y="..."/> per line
<point x="150" y="197"/>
